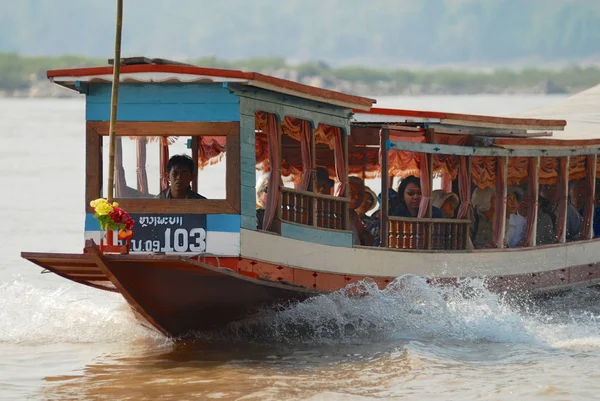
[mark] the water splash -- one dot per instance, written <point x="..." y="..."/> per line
<point x="69" y="313"/>
<point x="410" y="308"/>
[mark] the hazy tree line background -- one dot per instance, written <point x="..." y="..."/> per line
<point x="385" y="45"/>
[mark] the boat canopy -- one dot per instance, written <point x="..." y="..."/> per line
<point x="187" y="74"/>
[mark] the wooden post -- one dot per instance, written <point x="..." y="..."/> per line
<point x="384" y="226"/>
<point x="502" y="167"/>
<point x="533" y="200"/>
<point x="429" y="138"/>
<point x="563" y="205"/>
<point x="346" y="206"/>
<point x="276" y="227"/>
<point x="592" y="194"/>
<point x="313" y="152"/>
<point x="114" y="102"/>
<point x="195" y="147"/>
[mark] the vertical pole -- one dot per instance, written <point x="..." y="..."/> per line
<point x="383" y="221"/>
<point x="195" y="151"/>
<point x="429" y="138"/>
<point x="592" y="193"/>
<point x="313" y="181"/>
<point x="533" y="200"/>
<point x="114" y="101"/>
<point x="502" y="168"/>
<point x="563" y="206"/>
<point x="346" y="207"/>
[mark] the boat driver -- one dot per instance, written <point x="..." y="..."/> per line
<point x="181" y="170"/>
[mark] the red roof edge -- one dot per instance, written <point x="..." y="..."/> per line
<point x="250" y="76"/>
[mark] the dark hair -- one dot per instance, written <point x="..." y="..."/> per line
<point x="180" y="160"/>
<point x="411" y="179"/>
<point x="518" y="195"/>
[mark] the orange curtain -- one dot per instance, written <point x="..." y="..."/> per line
<point x="517" y="170"/>
<point x="483" y="171"/>
<point x="210" y="150"/>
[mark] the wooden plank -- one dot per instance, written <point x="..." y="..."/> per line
<point x="94" y="253"/>
<point x="428" y="220"/>
<point x="315" y="195"/>
<point x="198" y="95"/>
<point x="167" y="128"/>
<point x="592" y="194"/>
<point x="480" y="151"/>
<point x="347" y="189"/>
<point x="563" y="205"/>
<point x="503" y="164"/>
<point x="384" y="228"/>
<point x="93" y="166"/>
<point x="233" y="171"/>
<point x="283" y="110"/>
<point x="316" y="235"/>
<point x="165" y="112"/>
<point x="306" y="105"/>
<point x="533" y="200"/>
<point x="545" y="142"/>
<point x="183" y="206"/>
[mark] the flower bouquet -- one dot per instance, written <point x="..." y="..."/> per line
<point x="112" y="218"/>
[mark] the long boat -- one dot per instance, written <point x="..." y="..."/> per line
<point x="200" y="264"/>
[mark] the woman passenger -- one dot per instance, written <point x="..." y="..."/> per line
<point x="515" y="223"/>
<point x="409" y="194"/>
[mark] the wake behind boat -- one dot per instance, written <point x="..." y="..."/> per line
<point x="302" y="154"/>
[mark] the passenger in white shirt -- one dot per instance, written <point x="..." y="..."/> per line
<point x="516" y="225"/>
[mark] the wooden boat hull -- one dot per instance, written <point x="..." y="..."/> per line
<point x="176" y="295"/>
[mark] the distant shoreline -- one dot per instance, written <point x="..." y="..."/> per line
<point x="23" y="77"/>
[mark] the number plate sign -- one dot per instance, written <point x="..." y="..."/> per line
<point x="169" y="233"/>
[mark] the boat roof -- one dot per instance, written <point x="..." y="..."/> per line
<point x="391" y="117"/>
<point x="172" y="72"/>
<point x="581" y="110"/>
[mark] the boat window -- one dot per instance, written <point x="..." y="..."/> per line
<point x="140" y="165"/>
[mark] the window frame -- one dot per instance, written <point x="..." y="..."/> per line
<point x="95" y="130"/>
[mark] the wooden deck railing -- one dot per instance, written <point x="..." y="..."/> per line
<point x="308" y="208"/>
<point x="435" y="234"/>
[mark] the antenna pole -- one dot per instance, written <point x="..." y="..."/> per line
<point x="114" y="101"/>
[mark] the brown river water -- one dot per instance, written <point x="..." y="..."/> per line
<point x="61" y="341"/>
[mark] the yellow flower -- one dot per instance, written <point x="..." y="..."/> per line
<point x="103" y="209"/>
<point x="96" y="202"/>
<point x="115" y="204"/>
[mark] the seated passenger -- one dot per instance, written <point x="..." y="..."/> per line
<point x="369" y="203"/>
<point x="544" y="233"/>
<point x="180" y="169"/>
<point x="323" y="184"/>
<point x="516" y="225"/>
<point x="262" y="188"/>
<point x="549" y="205"/>
<point x="484" y="205"/>
<point x="409" y="195"/>
<point x="361" y="234"/>
<point x="447" y="202"/>
<point x="578" y="197"/>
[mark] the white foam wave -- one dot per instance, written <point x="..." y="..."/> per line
<point x="410" y="308"/>
<point x="69" y="314"/>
